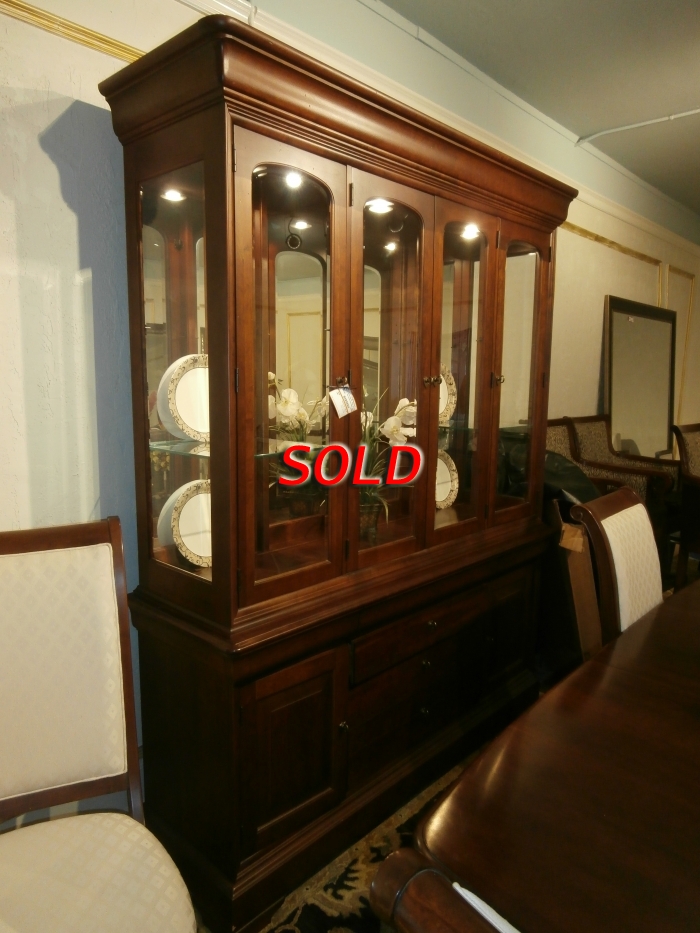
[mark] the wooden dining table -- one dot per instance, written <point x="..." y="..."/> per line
<point x="584" y="815"/>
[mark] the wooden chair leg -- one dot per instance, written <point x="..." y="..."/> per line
<point x="682" y="568"/>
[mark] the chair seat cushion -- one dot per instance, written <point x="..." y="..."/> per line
<point x="93" y="873"/>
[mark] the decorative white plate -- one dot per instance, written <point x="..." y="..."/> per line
<point x="446" y="481"/>
<point x="183" y="398"/>
<point x="185" y="521"/>
<point x="448" y="395"/>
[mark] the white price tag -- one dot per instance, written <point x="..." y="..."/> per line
<point x="343" y="400"/>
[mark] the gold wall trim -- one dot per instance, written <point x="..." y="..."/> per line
<point x="612" y="244"/>
<point x="68" y="30"/>
<point x="673" y="270"/>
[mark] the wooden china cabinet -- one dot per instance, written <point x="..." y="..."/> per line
<point x="311" y="655"/>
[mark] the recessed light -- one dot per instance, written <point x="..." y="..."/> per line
<point x="293" y="179"/>
<point x="379" y="206"/>
<point x="172" y="194"/>
<point x="300" y="225"/>
<point x="390" y="247"/>
<point x="470" y="232"/>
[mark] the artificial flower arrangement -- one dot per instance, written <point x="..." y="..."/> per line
<point x="293" y="422"/>
<point x="375" y="437"/>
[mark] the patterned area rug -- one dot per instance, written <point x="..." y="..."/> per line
<point x="336" y="899"/>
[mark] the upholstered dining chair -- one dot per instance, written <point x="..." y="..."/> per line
<point x="68" y="733"/>
<point x="650" y="484"/>
<point x="626" y="559"/>
<point x="688" y="438"/>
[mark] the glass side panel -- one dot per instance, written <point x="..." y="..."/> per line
<point x="291" y="216"/>
<point x="455" y="483"/>
<point x="514" y="422"/>
<point x="392" y="294"/>
<point x="177" y="374"/>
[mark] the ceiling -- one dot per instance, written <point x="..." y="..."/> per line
<point x="591" y="65"/>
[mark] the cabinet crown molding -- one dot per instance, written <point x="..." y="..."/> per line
<point x="267" y="84"/>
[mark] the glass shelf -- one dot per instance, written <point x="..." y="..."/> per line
<point x="276" y="448"/>
<point x="184" y="448"/>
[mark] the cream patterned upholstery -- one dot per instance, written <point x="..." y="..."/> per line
<point x="593" y="442"/>
<point x="94" y="873"/>
<point x="636" y="563"/>
<point x="61" y="693"/>
<point x="592" y="439"/>
<point x="692" y="446"/>
<point x="558" y="440"/>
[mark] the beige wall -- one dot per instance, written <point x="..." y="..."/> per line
<point x="639" y="261"/>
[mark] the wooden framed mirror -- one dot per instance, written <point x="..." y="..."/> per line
<point x="639" y="364"/>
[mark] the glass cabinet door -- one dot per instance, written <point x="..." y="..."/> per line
<point x="289" y="238"/>
<point x="391" y="259"/>
<point x="523" y="293"/>
<point x="462" y="281"/>
<point x="175" y="335"/>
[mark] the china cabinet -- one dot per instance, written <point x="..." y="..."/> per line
<point x="311" y="654"/>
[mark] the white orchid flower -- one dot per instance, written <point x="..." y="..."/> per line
<point x="271" y="407"/>
<point x="407" y="411"/>
<point x="394" y="431"/>
<point x="367" y="418"/>
<point x="271" y="377"/>
<point x="302" y="416"/>
<point x="288" y="405"/>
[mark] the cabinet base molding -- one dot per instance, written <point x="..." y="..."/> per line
<point x="263" y="881"/>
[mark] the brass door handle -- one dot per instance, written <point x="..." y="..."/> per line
<point x="497" y="380"/>
<point x="344" y="726"/>
<point x="426" y="664"/>
<point x="432" y="623"/>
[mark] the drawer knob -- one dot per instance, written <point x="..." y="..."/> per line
<point x="426" y="664"/>
<point x="425" y="712"/>
<point x="432" y="623"/>
<point x="344" y="726"/>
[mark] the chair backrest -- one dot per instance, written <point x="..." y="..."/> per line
<point x="559" y="438"/>
<point x="627" y="561"/>
<point x="592" y="438"/>
<point x="688" y="437"/>
<point x="67" y="718"/>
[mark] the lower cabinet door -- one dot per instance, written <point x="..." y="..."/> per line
<point x="293" y="746"/>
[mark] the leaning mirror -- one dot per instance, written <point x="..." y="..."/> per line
<point x="640" y="342"/>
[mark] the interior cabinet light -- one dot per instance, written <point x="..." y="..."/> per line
<point x="470" y="232"/>
<point x="379" y="206"/>
<point x="300" y="225"/>
<point x="172" y="194"/>
<point x="390" y="247"/>
<point x="293" y="179"/>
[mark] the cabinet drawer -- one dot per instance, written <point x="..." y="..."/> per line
<point x="388" y="646"/>
<point x="402" y="706"/>
<point x="393" y="643"/>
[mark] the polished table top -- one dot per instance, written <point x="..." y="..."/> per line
<point x="584" y="815"/>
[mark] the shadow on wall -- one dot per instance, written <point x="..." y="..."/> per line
<point x="82" y="145"/>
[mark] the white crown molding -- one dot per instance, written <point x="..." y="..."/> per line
<point x="303" y="42"/>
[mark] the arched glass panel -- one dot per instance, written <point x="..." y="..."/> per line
<point x="291" y="214"/>
<point x="455" y="482"/>
<point x="516" y="381"/>
<point x="392" y="293"/>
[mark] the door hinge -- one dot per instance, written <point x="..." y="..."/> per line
<point x="236" y="379"/>
<point x="351" y="195"/>
<point x="235" y="166"/>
